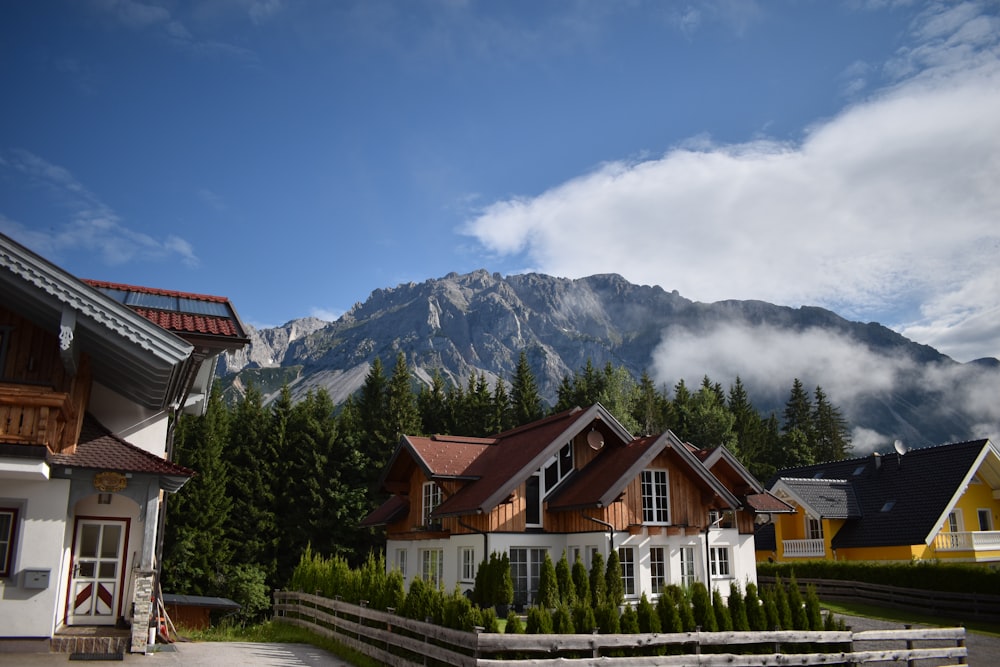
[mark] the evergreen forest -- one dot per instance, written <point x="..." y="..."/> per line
<point x="277" y="479"/>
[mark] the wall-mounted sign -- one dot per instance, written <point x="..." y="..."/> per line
<point x="106" y="482"/>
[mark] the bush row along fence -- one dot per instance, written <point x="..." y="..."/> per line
<point x="401" y="642"/>
<point x="964" y="606"/>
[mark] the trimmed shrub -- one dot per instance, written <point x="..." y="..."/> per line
<point x="514" y="625"/>
<point x="562" y="620"/>
<point x="581" y="582"/>
<point x="722" y="617"/>
<point x="666" y="609"/>
<point x="755" y="609"/>
<point x="701" y="605"/>
<point x="583" y="618"/>
<point x="649" y="620"/>
<point x="564" y="577"/>
<point x="738" y="609"/>
<point x="629" y="621"/>
<point x="539" y="621"/>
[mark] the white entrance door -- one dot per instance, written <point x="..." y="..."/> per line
<point x="97" y="567"/>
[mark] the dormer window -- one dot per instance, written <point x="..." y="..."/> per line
<point x="558" y="467"/>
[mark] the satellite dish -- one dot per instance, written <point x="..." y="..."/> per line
<point x="595" y="439"/>
<point x="900" y="447"/>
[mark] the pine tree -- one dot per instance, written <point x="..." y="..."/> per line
<point x="755" y="611"/>
<point x="197" y="549"/>
<point x="401" y="414"/>
<point x="598" y="582"/>
<point x="432" y="404"/>
<point x="548" y="586"/>
<point x="503" y="413"/>
<point x="564" y="577"/>
<point x="581" y="582"/>
<point x="666" y="609"/>
<point x="701" y="606"/>
<point x="651" y="412"/>
<point x="709" y="422"/>
<point x="833" y="442"/>
<point x="629" y="621"/>
<point x="649" y="620"/>
<point x="526" y="402"/>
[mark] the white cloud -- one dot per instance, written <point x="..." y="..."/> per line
<point x="92" y="224"/>
<point x="325" y="314"/>
<point x="889" y="205"/>
<point x="852" y="376"/>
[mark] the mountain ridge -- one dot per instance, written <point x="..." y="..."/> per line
<point x="478" y="322"/>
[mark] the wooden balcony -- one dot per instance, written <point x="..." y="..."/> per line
<point x="32" y="415"/>
<point x="804" y="548"/>
<point x="980" y="540"/>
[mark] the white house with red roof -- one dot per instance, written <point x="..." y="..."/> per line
<point x="575" y="482"/>
<point x="91" y="375"/>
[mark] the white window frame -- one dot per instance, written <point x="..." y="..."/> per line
<point x="432" y="566"/>
<point x="466" y="564"/>
<point x="689" y="572"/>
<point x="655" y="488"/>
<point x="955" y="524"/>
<point x="657" y="570"/>
<point x="8" y="538"/>
<point x="526" y="581"/>
<point x="431" y="499"/>
<point x="814" y="528"/>
<point x="720" y="560"/>
<point x="626" y="561"/>
<point x="540" y="477"/>
<point x="981" y="513"/>
<point x="401" y="561"/>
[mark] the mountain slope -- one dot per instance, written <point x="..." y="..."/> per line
<point x="479" y="322"/>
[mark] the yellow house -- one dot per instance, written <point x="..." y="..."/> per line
<point x="938" y="502"/>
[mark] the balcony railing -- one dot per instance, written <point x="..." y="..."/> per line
<point x="804" y="548"/>
<point x="970" y="541"/>
<point x="33" y="415"/>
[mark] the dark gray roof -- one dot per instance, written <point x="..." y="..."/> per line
<point x="900" y="498"/>
<point x="827" y="498"/>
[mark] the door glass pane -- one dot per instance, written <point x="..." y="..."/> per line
<point x="107" y="570"/>
<point x="87" y="569"/>
<point x="112" y="538"/>
<point x="88" y="541"/>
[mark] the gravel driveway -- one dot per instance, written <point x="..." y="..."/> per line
<point x="984" y="650"/>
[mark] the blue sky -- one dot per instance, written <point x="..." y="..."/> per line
<point x="295" y="156"/>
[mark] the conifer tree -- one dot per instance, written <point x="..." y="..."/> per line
<point x="432" y="404"/>
<point x="401" y="414"/>
<point x="833" y="442"/>
<point x="581" y="582"/>
<point x="722" y="616"/>
<point x="503" y="413"/>
<point x="548" y="586"/>
<point x="651" y="411"/>
<point x="619" y="395"/>
<point x="701" y="606"/>
<point x="197" y="548"/>
<point x="666" y="609"/>
<point x="737" y="609"/>
<point x="598" y="583"/>
<point x="649" y="620"/>
<point x="754" y="609"/>
<point x="526" y="402"/>
<point x="564" y="577"/>
<point x="614" y="586"/>
<point x="629" y="621"/>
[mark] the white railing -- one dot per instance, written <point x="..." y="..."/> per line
<point x="969" y="541"/>
<point x="804" y="548"/>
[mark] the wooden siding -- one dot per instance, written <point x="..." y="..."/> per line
<point x="40" y="403"/>
<point x="690" y="501"/>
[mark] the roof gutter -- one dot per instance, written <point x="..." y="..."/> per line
<point x="610" y="527"/>
<point x="486" y="537"/>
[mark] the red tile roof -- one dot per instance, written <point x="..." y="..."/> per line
<point x="448" y="456"/>
<point x="387" y="512"/>
<point x="766" y="502"/>
<point x="181" y="321"/>
<point x="100" y="449"/>
<point x="188" y="323"/>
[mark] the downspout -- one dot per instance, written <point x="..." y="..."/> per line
<point x="610" y="527"/>
<point x="486" y="537"/>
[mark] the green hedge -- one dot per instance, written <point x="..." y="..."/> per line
<point x="922" y="575"/>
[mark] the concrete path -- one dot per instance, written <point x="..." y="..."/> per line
<point x="198" y="654"/>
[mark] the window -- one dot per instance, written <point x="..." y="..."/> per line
<point x="814" y="528"/>
<point x="626" y="557"/>
<point x="955" y="521"/>
<point x="8" y="526"/>
<point x="432" y="498"/>
<point x="533" y="501"/>
<point x="466" y="564"/>
<point x="558" y="467"/>
<point x="687" y="566"/>
<point x="721" y="519"/>
<point x="432" y="566"/>
<point x="655" y="506"/>
<point x="525" y="567"/>
<point x="718" y="558"/>
<point x="657" y="570"/>
<point x="401" y="561"/>
<point x="985" y="519"/>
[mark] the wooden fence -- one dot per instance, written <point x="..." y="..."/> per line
<point x="402" y="642"/>
<point x="964" y="606"/>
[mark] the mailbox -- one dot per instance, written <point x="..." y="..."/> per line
<point x="36" y="578"/>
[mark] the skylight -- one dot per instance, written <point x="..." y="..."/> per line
<point x="860" y="469"/>
<point x="888" y="506"/>
<point x="167" y="302"/>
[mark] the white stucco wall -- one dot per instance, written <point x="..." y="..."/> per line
<point x="742" y="564"/>
<point x="40" y="546"/>
<point x="140" y="426"/>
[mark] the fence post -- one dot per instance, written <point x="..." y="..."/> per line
<point x="961" y="643"/>
<point x="909" y="646"/>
